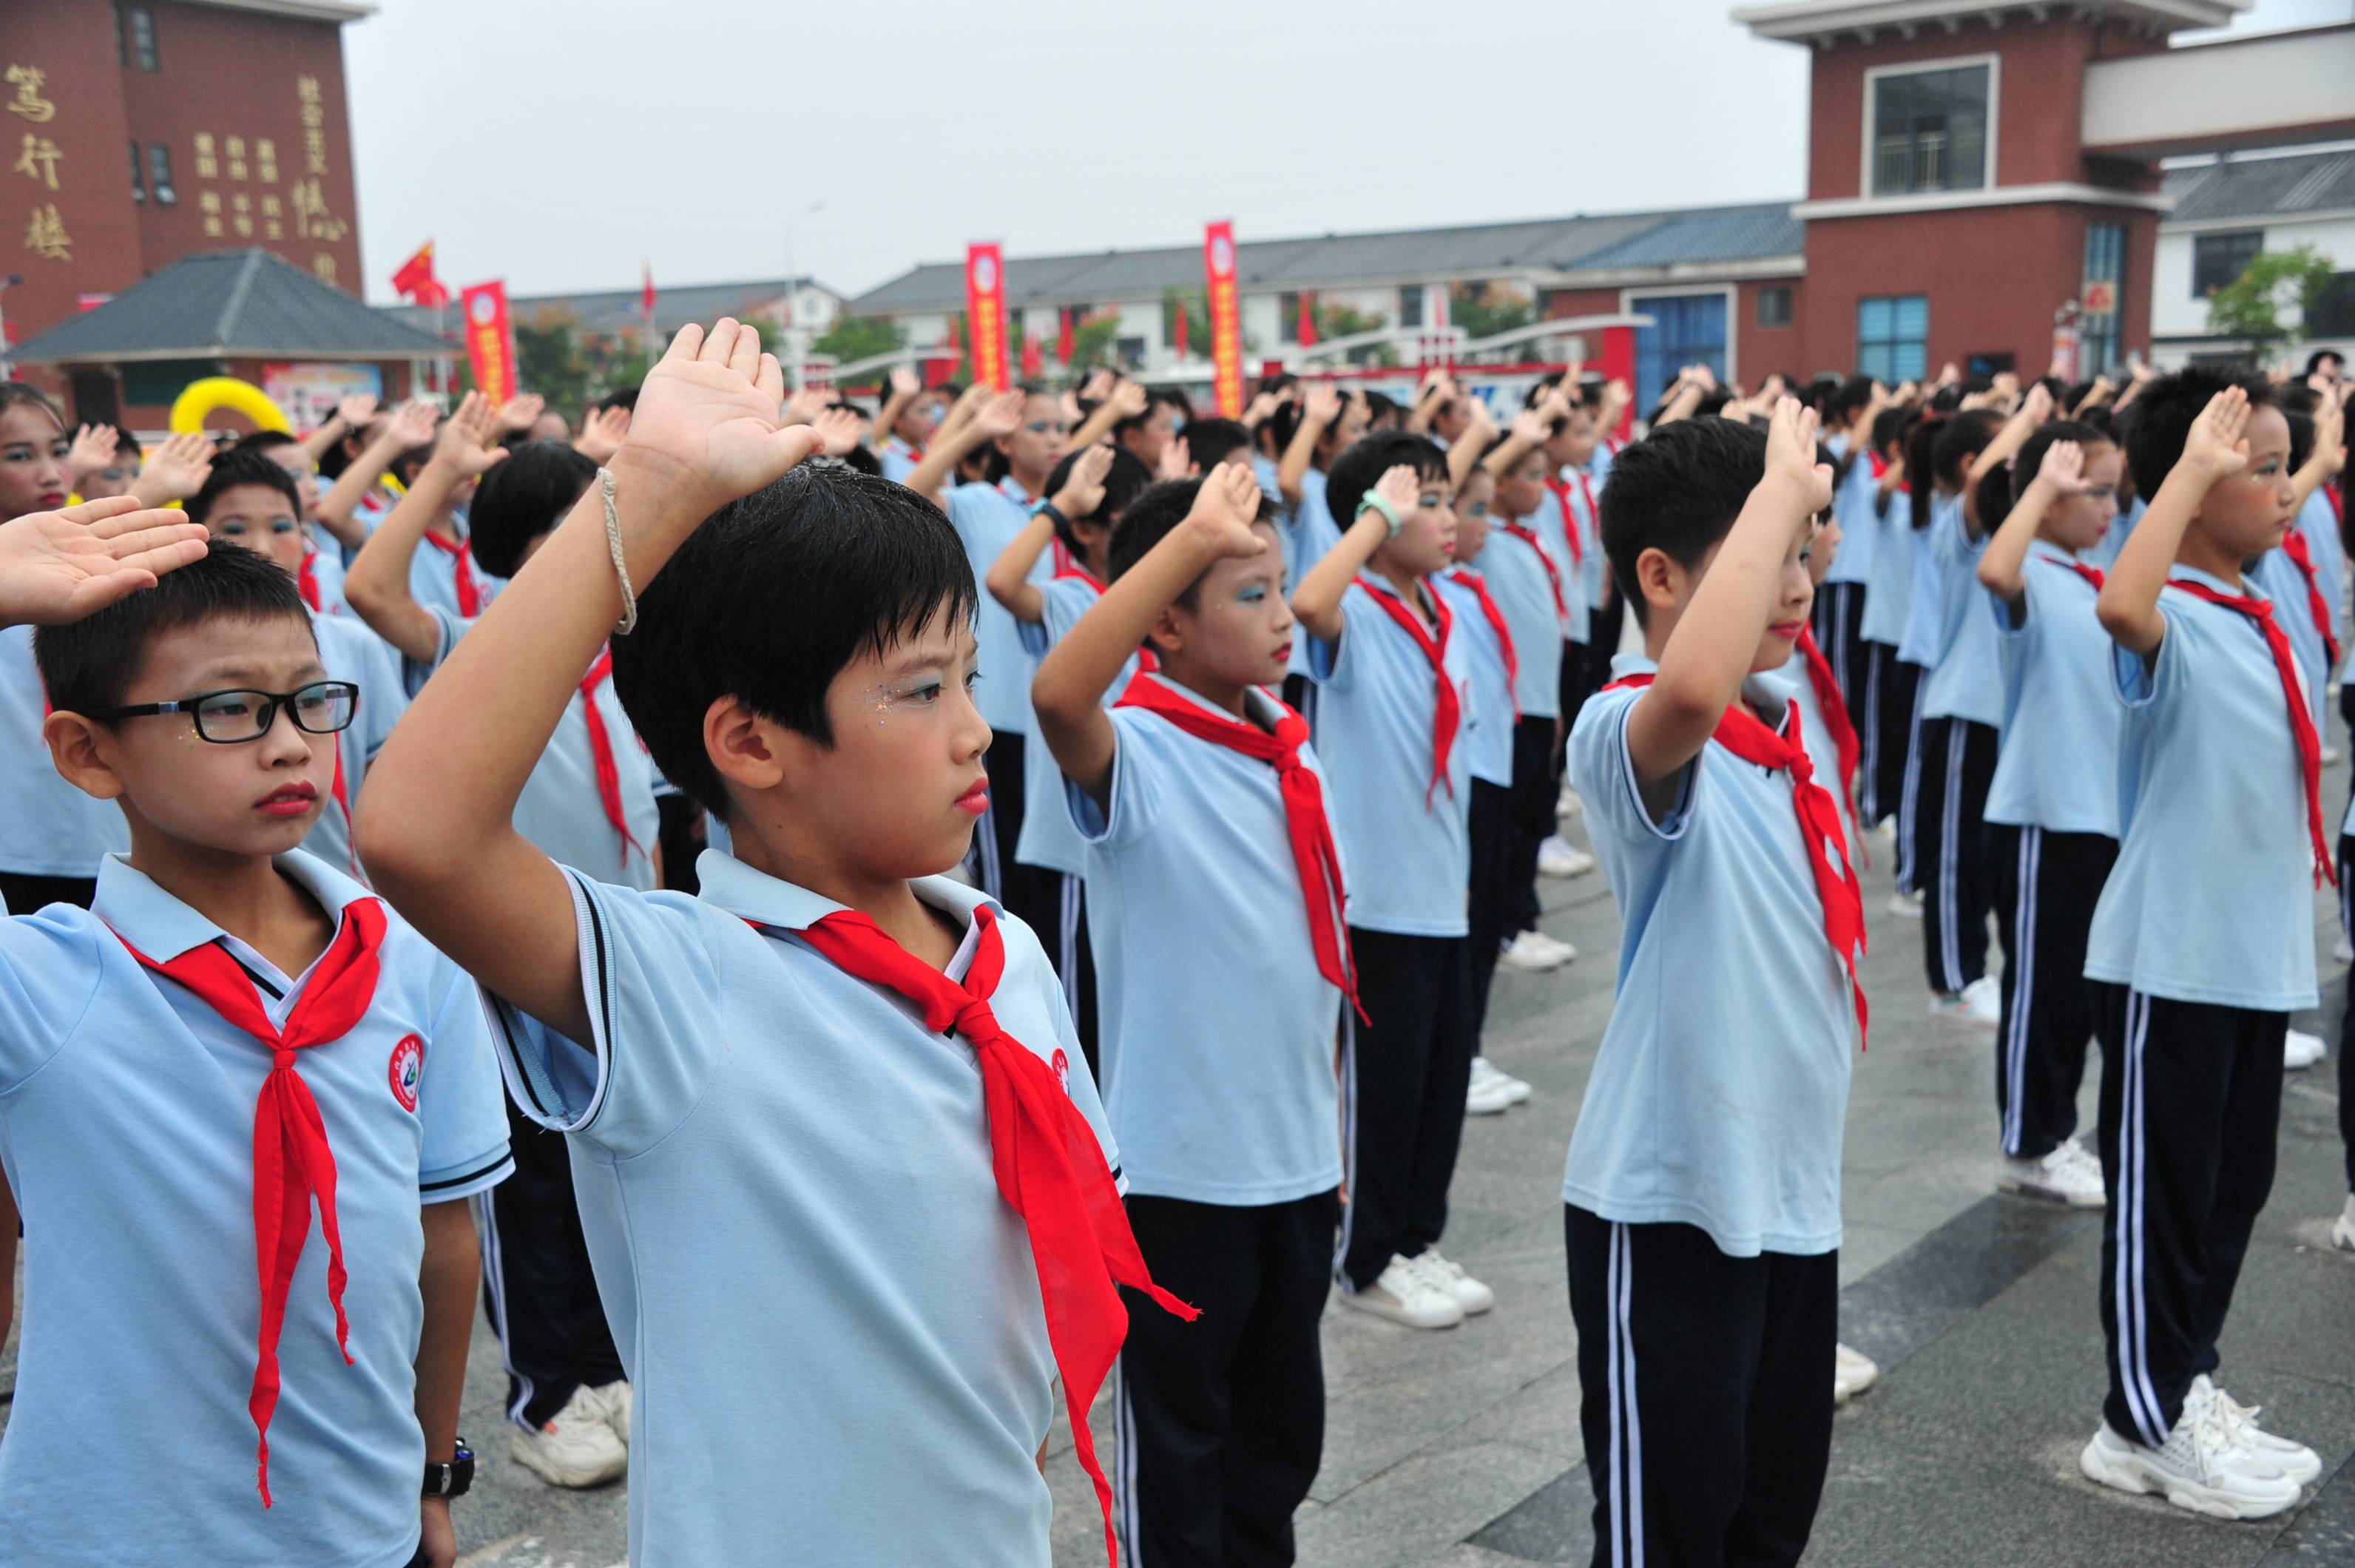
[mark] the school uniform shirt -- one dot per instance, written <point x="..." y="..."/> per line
<point x="987" y="517"/>
<point x="1407" y="845"/>
<point x="1967" y="680"/>
<point x="2284" y="584"/>
<point x="562" y="810"/>
<point x="1307" y="537"/>
<point x="2058" y="767"/>
<point x="325" y="566"/>
<point x="1794" y="683"/>
<point x="899" y="459"/>
<point x="2105" y="554"/>
<point x="1859" y="531"/>
<point x="48" y="828"/>
<point x="1593" y="568"/>
<point x="1519" y="581"/>
<point x="1889" y="583"/>
<point x="2213" y="896"/>
<point x="1217" y="1030"/>
<point x="1552" y="522"/>
<point x="1047" y="838"/>
<point x="750" y="1125"/>
<point x="1919" y="645"/>
<point x="2319" y="521"/>
<point x="349" y="651"/>
<point x="1488" y="716"/>
<point x="127" y="1109"/>
<point x="433" y="576"/>
<point x="1719" y="1094"/>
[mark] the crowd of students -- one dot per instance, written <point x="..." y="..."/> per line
<point x="1009" y="884"/>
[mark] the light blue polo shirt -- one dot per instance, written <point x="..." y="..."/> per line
<point x="433" y="576"/>
<point x="899" y="459"/>
<point x="1719" y="1093"/>
<point x="126" y="1118"/>
<point x="2284" y="584"/>
<point x="1306" y="537"/>
<point x="349" y="651"/>
<point x="1552" y="524"/>
<point x="2319" y="524"/>
<point x="1791" y="682"/>
<point x="560" y="809"/>
<point x="1218" y="1033"/>
<point x="1047" y="838"/>
<point x="1966" y="681"/>
<point x="1409" y="861"/>
<point x="48" y="828"/>
<point x="1592" y="569"/>
<point x="754" y="1126"/>
<point x="987" y="517"/>
<point x="2213" y="896"/>
<point x="1488" y="731"/>
<point x="327" y="572"/>
<point x="1889" y="586"/>
<point x="1919" y="645"/>
<point x="2058" y="766"/>
<point x="1515" y="570"/>
<point x="1859" y="529"/>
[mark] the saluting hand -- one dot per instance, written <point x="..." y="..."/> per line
<point x="56" y="567"/>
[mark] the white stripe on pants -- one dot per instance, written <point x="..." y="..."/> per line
<point x="2023" y="984"/>
<point x="1627" y="1501"/>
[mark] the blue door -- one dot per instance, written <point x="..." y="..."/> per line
<point x="1686" y="329"/>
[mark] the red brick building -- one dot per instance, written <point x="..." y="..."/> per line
<point x="134" y="134"/>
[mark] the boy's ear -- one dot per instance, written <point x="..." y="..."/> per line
<point x="73" y="744"/>
<point x="745" y="748"/>
<point x="1167" y="631"/>
<point x="1660" y="578"/>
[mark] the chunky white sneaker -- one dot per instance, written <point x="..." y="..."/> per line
<point x="1979" y="1003"/>
<point x="1485" y="1095"/>
<point x="1885" y="830"/>
<point x="1853" y="1371"/>
<point x="2301" y="1051"/>
<point x="1554" y="946"/>
<point x="2069" y="1174"/>
<point x="1469" y="1293"/>
<point x="1570" y="808"/>
<point x="2200" y="1469"/>
<point x="2343" y="1230"/>
<point x="615" y="1397"/>
<point x="2291" y="1458"/>
<point x="1404" y="1294"/>
<point x="1905" y="906"/>
<point x="1530" y="954"/>
<point x="1557" y="857"/>
<point x="578" y="1448"/>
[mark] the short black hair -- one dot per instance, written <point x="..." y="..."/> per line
<point x="1211" y="441"/>
<point x="1123" y="481"/>
<point x="243" y="464"/>
<point x="2167" y="409"/>
<point x="771" y="598"/>
<point x="1849" y="397"/>
<point x="1380" y="406"/>
<point x="2001" y="487"/>
<point x="125" y="440"/>
<point x="263" y="440"/>
<point x="1361" y="467"/>
<point x="89" y="664"/>
<point x="1678" y="491"/>
<point x="2321" y="356"/>
<point x="619" y="398"/>
<point x="1150" y="518"/>
<point x="1154" y="397"/>
<point x="520" y="499"/>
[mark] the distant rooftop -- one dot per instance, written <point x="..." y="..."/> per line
<point x="2287" y="186"/>
<point x="616" y="311"/>
<point x="1811" y="21"/>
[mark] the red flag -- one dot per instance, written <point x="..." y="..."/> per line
<point x="1033" y="359"/>
<point x="1184" y="329"/>
<point x="985" y="292"/>
<point x="416" y="278"/>
<point x="646" y="296"/>
<point x="1307" y="320"/>
<point x="490" y="340"/>
<point x="1226" y="318"/>
<point x="1063" y="335"/>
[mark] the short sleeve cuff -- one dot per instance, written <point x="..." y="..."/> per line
<point x="550" y="1078"/>
<point x="2137" y="679"/>
<point x="468" y="1177"/>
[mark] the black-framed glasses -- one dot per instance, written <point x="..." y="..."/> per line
<point x="230" y="718"/>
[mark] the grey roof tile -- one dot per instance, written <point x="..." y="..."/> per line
<point x="2262" y="187"/>
<point x="223" y="302"/>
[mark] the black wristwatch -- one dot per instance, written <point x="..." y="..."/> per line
<point x="454" y="1479"/>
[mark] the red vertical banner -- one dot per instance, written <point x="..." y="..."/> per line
<point x="1619" y="364"/>
<point x="985" y="311"/>
<point x="490" y="340"/>
<point x="1307" y="334"/>
<point x="1226" y="319"/>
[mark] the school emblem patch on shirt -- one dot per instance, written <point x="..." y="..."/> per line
<point x="1062" y="1066"/>
<point x="408" y="1062"/>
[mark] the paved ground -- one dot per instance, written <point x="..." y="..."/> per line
<point x="1462" y="1450"/>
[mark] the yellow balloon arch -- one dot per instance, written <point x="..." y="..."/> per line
<point x="201" y="398"/>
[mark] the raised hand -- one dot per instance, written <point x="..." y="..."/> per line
<point x="2038" y="406"/>
<point x="839" y="430"/>
<point x="467" y="447"/>
<point x="807" y="404"/>
<point x="520" y="413"/>
<point x="1084" y="491"/>
<point x="1402" y="486"/>
<point x="2063" y="472"/>
<point x="1262" y="405"/>
<point x="602" y="433"/>
<point x="412" y="425"/>
<point x="1791" y="453"/>
<point x="93" y="449"/>
<point x="1177" y="459"/>
<point x="177" y="469"/>
<point x="904" y="383"/>
<point x="2330" y="436"/>
<point x="1098" y="386"/>
<point x="2217" y="444"/>
<point x="1323" y="405"/>
<point x="1130" y="398"/>
<point x="1531" y="426"/>
<point x="706" y="422"/>
<point x="1001" y="415"/>
<point x="1223" y="510"/>
<point x="355" y="410"/>
<point x="56" y="567"/>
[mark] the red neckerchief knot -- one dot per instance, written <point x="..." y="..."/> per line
<point x="1050" y="1169"/>
<point x="1834" y="702"/>
<point x="462" y="558"/>
<point x="1307" y="827"/>
<point x="1561" y="488"/>
<point x="601" y="754"/>
<point x="292" y="1162"/>
<point x="1447" y="711"/>
<point x="1465" y="577"/>
<point x="2301" y="717"/>
<point x="2301" y="554"/>
<point x="306" y="579"/>
<point x="1528" y="536"/>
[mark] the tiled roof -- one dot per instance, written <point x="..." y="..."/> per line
<point x="222" y="302"/>
<point x="609" y="311"/>
<point x="1701" y="239"/>
<point x="2262" y="187"/>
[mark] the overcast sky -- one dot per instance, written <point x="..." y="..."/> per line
<point x="564" y="145"/>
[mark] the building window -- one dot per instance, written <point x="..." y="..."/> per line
<point x="159" y="173"/>
<point x="1893" y="337"/>
<point x="135" y="38"/>
<point x="1130" y="352"/>
<point x="1686" y="329"/>
<point x="2333" y="314"/>
<point x="1930" y="129"/>
<point x="1410" y="305"/>
<point x="138" y="177"/>
<point x="2102" y="298"/>
<point x="1288" y="312"/>
<point x="1774" y="307"/>
<point x="2218" y="259"/>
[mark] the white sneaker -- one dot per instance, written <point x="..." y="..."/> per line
<point x="2292" y="1458"/>
<point x="1853" y="1371"/>
<point x="1485" y="1095"/>
<point x="1554" y="946"/>
<point x="2301" y="1051"/>
<point x="1905" y="906"/>
<point x="2343" y="1230"/>
<point x="1530" y="953"/>
<point x="2345" y="951"/>
<point x="1469" y="1293"/>
<point x="1557" y="857"/>
<point x="578" y="1448"/>
<point x="2201" y="1468"/>
<point x="1570" y="808"/>
<point x="2329" y="756"/>
<point x="2071" y="1174"/>
<point x="1404" y="1294"/>
<point x="1885" y="830"/>
<point x="615" y="1397"/>
<point x="1979" y="1003"/>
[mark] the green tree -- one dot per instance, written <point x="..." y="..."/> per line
<point x="1095" y="341"/>
<point x="1483" y="310"/>
<point x="1196" y="303"/>
<point x="1343" y="321"/>
<point x="2250" y="305"/>
<point x="859" y="338"/>
<point x="549" y="361"/>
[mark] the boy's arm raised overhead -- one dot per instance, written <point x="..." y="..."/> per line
<point x="56" y="567"/>
<point x="2328" y="458"/>
<point x="2034" y="409"/>
<point x="2216" y="448"/>
<point x="1068" y="691"/>
<point x="1008" y="580"/>
<point x="377" y="587"/>
<point x="1717" y="632"/>
<point x="1318" y="601"/>
<point x="706" y="432"/>
<point x="1001" y="415"/>
<point x="411" y="425"/>
<point x="2003" y="566"/>
<point x="1318" y="411"/>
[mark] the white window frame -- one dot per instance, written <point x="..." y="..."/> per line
<point x="1873" y="76"/>
<point x="1731" y="293"/>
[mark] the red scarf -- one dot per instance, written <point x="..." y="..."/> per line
<point x="1068" y="567"/>
<point x="2092" y="574"/>
<point x="2301" y="552"/>
<point x="1561" y="488"/>
<point x="1528" y="536"/>
<point x="291" y="1160"/>
<point x="2301" y="719"/>
<point x="1829" y="699"/>
<point x="306" y="579"/>
<point x="1447" y="711"/>
<point x="601" y="751"/>
<point x="1050" y="1169"/>
<point x="1465" y="577"/>
<point x="1305" y="820"/>
<point x="1743" y="733"/>
<point x="462" y="557"/>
